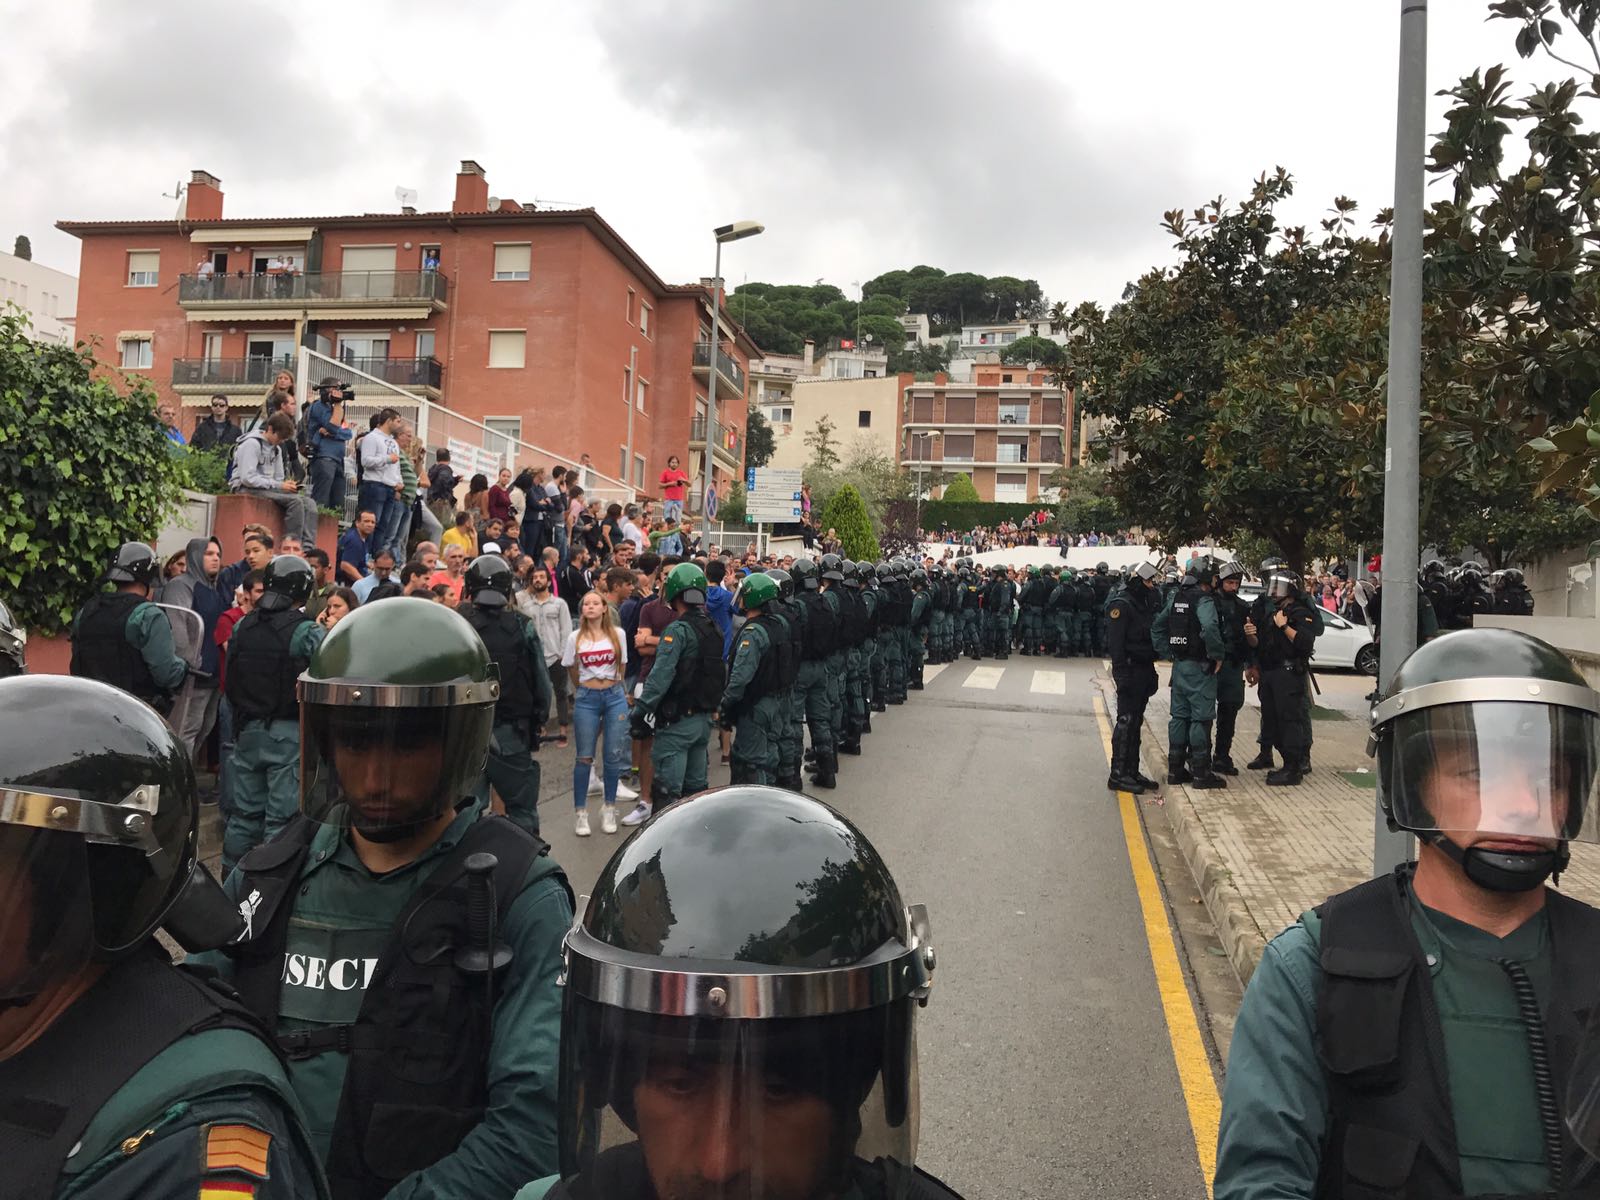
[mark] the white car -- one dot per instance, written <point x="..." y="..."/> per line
<point x="1342" y="643"/>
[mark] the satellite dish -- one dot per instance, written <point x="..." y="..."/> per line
<point x="494" y="203"/>
<point x="406" y="196"/>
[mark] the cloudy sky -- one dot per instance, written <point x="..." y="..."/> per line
<point x="1040" y="139"/>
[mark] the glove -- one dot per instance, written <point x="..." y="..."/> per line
<point x="642" y="724"/>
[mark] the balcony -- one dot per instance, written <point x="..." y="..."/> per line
<point x="414" y="374"/>
<point x="318" y="295"/>
<point x="730" y="443"/>
<point x="728" y="371"/>
<point x="227" y="375"/>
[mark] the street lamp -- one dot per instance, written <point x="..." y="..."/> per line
<point x="723" y="233"/>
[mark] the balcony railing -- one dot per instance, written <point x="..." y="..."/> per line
<point x="415" y="287"/>
<point x="406" y="372"/>
<point x="729" y="442"/>
<point x="730" y="370"/>
<point x="228" y="372"/>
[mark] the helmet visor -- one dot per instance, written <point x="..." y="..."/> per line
<point x="677" y="1106"/>
<point x="1495" y="767"/>
<point x="385" y="770"/>
<point x="46" y="910"/>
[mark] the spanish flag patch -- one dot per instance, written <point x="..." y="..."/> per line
<point x="238" y="1148"/>
<point x="222" y="1189"/>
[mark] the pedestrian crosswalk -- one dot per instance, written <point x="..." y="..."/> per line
<point x="986" y="678"/>
<point x="1049" y="683"/>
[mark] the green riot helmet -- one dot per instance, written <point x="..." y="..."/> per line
<point x="12" y="661"/>
<point x="832" y="568"/>
<point x="99" y="829"/>
<point x="1487" y="745"/>
<point x="784" y="579"/>
<point x="755" y="592"/>
<point x="135" y="562"/>
<point x="686" y="582"/>
<point x="806" y="576"/>
<point x="777" y="1003"/>
<point x="395" y="714"/>
<point x="288" y="584"/>
<point x="1033" y="571"/>
<point x="489" y="581"/>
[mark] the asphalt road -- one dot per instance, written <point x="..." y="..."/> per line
<point x="1047" y="1069"/>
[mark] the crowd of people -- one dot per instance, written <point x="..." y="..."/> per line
<point x="1035" y="529"/>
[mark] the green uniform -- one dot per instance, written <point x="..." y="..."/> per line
<point x="916" y="652"/>
<point x="1194" y="686"/>
<point x="758" y="721"/>
<point x="872" y="649"/>
<point x="1275" y="1099"/>
<point x="678" y="750"/>
<point x="343" y="917"/>
<point x="213" y="1110"/>
<point x="150" y="633"/>
<point x="265" y="770"/>
<point x="818" y="687"/>
<point x="511" y="769"/>
<point x="791" y="733"/>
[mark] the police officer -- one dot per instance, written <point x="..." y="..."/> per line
<point x="403" y="942"/>
<point x="999" y="601"/>
<point x="1473" y="597"/>
<point x="896" y="615"/>
<point x="876" y="604"/>
<point x="829" y="584"/>
<point x="1188" y="632"/>
<point x="1282" y="650"/>
<point x="123" y="1076"/>
<point x="1512" y="597"/>
<point x="1232" y="613"/>
<point x="972" y="628"/>
<point x="1414" y="1036"/>
<point x="1133" y="670"/>
<point x="269" y="648"/>
<point x="12" y="660"/>
<point x="1437" y="588"/>
<point x="1261" y="616"/>
<point x="763" y="672"/>
<point x="922" y="598"/>
<point x="746" y="1054"/>
<point x="525" y="693"/>
<point x="1031" y="600"/>
<point x="853" y="610"/>
<point x="1087" y="606"/>
<point x="1062" y="598"/>
<point x="120" y="638"/>
<point x="1100" y="628"/>
<point x="791" y="736"/>
<point x="684" y="688"/>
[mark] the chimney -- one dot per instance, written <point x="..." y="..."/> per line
<point x="203" y="199"/>
<point x="472" y="189"/>
<point x="810" y="354"/>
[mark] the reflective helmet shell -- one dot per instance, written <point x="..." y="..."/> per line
<point x="289" y="581"/>
<point x="756" y="590"/>
<point x="135" y="562"/>
<point x="489" y="581"/>
<point x="686" y="582"/>
<point x="785" y="581"/>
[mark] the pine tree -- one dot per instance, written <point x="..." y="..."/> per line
<point x="23" y="248"/>
<point x="846" y="513"/>
<point x="960" y="490"/>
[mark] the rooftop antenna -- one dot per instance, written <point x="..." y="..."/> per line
<point x="176" y="193"/>
<point x="406" y="196"/>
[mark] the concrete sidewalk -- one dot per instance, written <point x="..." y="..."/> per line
<point x="1263" y="855"/>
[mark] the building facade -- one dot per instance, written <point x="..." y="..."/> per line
<point x="48" y="296"/>
<point x="1007" y="429"/>
<point x="863" y="414"/>
<point x="543" y="325"/>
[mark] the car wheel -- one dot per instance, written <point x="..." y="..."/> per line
<point x="1367" y="660"/>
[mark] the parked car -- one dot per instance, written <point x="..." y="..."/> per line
<point x="1342" y="643"/>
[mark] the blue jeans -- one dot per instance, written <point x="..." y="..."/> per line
<point x="379" y="500"/>
<point x="327" y="482"/>
<point x="596" y="711"/>
<point x="671" y="510"/>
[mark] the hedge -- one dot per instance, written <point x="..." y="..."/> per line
<point x="846" y="514"/>
<point x="962" y="515"/>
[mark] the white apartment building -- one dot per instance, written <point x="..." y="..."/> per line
<point x="48" y="296"/>
<point x="864" y="415"/>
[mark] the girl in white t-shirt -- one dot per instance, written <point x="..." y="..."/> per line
<point x="596" y="657"/>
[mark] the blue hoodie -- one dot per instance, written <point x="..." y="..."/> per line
<point x="719" y="604"/>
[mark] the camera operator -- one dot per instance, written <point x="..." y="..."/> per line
<point x="330" y="435"/>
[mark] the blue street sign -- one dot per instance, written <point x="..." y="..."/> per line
<point x="712" y="503"/>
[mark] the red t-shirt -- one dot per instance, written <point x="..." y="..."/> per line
<point x="674" y="484"/>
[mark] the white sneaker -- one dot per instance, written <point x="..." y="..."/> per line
<point x="624" y="792"/>
<point x="597" y="788"/>
<point x="583" y="822"/>
<point x="595" y="785"/>
<point x="639" y="815"/>
<point x="608" y="818"/>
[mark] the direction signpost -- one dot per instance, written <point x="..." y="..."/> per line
<point x="772" y="495"/>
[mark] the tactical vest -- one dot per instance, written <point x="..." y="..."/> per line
<point x="1381" y="1044"/>
<point x="54" y="1088"/>
<point x="822" y="637"/>
<point x="101" y="650"/>
<point x="1034" y="595"/>
<point x="852" y="618"/>
<point x="699" y="680"/>
<point x="261" y="670"/>
<point x="779" y="666"/>
<point x="1183" y="627"/>
<point x="504" y="636"/>
<point x="417" y="1081"/>
<point x="871" y="601"/>
<point x="920" y="622"/>
<point x="791" y="612"/>
<point x="1086" y="597"/>
<point x="1231" y="613"/>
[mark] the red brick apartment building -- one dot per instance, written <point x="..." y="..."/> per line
<point x="523" y="319"/>
<point x="1007" y="429"/>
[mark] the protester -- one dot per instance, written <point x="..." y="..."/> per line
<point x="341" y="602"/>
<point x="196" y="590"/>
<point x="596" y="660"/>
<point x="462" y="534"/>
<point x="553" y="622"/>
<point x="674" y="488"/>
<point x="258" y="470"/>
<point x="499" y="503"/>
<point x="355" y="547"/>
<point x="215" y="430"/>
<point x="476" y="502"/>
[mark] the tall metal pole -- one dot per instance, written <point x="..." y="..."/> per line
<point x="1400" y="456"/>
<point x="711" y="401"/>
<point x="633" y="403"/>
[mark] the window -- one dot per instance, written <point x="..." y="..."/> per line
<point x="501" y="437"/>
<point x="144" y="268"/>
<point x="644" y="319"/>
<point x="922" y="409"/>
<point x="1012" y="450"/>
<point x="512" y="261"/>
<point x="632" y="295"/>
<point x="958" y="447"/>
<point x="508" y="347"/>
<point x="638" y="470"/>
<point x="1005" y="379"/>
<point x="1009" y="486"/>
<point x="622" y="462"/>
<point x="425" y="343"/>
<point x="1050" y="448"/>
<point x="642" y="393"/>
<point x="921" y="449"/>
<point x="1013" y="414"/>
<point x="1050" y="410"/>
<point x="863" y="419"/>
<point x="960" y="410"/>
<point x="136" y="352"/>
<point x="780" y="415"/>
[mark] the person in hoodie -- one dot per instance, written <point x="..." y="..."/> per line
<point x="196" y="589"/>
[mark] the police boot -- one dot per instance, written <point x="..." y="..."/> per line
<point x="852" y="747"/>
<point x="1262" y="761"/>
<point x="866" y="721"/>
<point x="1177" y="767"/>
<point x="1122" y="778"/>
<point x="1223" y="765"/>
<point x="1132" y="763"/>
<point x="1204" y="777"/>
<point x="878" y="705"/>
<point x="811" y="754"/>
<point x="825" y="773"/>
<point x="1291" y="773"/>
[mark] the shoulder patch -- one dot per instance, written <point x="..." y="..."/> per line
<point x="241" y="1148"/>
<point x="666" y="637"/>
<point x="1115" y="613"/>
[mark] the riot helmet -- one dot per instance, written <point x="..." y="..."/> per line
<point x="686" y="582"/>
<point x="1472" y="572"/>
<point x="867" y="573"/>
<point x="1145" y="573"/>
<point x="12" y="641"/>
<point x="832" y="568"/>
<point x="749" y="1033"/>
<point x="135" y="562"/>
<point x="850" y="573"/>
<point x="1232" y="569"/>
<point x="785" y="581"/>
<point x="395" y="714"/>
<point x="1433" y="569"/>
<point x="1103" y="568"/>
<point x="1281" y="585"/>
<point x="756" y="591"/>
<point x="99" y="828"/>
<point x="919" y="577"/>
<point x="806" y="576"/>
<point x="1487" y="745"/>
<point x="1273" y="563"/>
<point x="288" y="583"/>
<point x="489" y="581"/>
<point x="1512" y="577"/>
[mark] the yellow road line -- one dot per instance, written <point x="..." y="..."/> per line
<point x="1183" y="1027"/>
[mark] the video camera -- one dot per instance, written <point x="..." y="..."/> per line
<point x="344" y="386"/>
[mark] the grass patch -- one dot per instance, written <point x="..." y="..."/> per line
<point x="1359" y="779"/>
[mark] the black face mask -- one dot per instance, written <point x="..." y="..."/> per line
<point x="1503" y="870"/>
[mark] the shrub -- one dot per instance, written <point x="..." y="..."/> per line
<point x="847" y="514"/>
<point x="959" y="490"/>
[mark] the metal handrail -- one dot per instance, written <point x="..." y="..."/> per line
<point x="315" y="287"/>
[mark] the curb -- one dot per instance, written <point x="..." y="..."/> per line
<point x="1241" y="937"/>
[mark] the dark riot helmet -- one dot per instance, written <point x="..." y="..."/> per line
<point x="918" y="576"/>
<point x="1145" y="572"/>
<point x="832" y="568"/>
<point x="1103" y="568"/>
<point x="1511" y="577"/>
<point x="849" y="573"/>
<point x="785" y="582"/>
<point x="1233" y="569"/>
<point x="489" y="581"/>
<point x="800" y="975"/>
<point x="135" y="562"/>
<point x="867" y="573"/>
<point x="289" y="581"/>
<point x="806" y="576"/>
<point x="1282" y="585"/>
